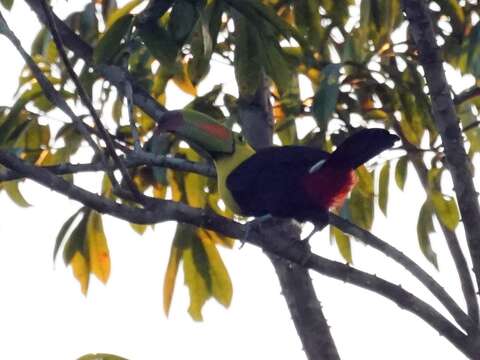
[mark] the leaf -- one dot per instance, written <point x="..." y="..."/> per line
<point x="196" y="277"/>
<point x="97" y="247"/>
<point x="325" y="99"/>
<point x="424" y="229"/>
<point x="171" y="275"/>
<point x="139" y="228"/>
<point x="63" y="231"/>
<point x="401" y="170"/>
<point x="365" y="180"/>
<point x="81" y="271"/>
<point x="361" y="208"/>
<point x="122" y="12"/>
<point x="159" y="42"/>
<point x="446" y="209"/>
<point x="7" y="4"/>
<point x="383" y="183"/>
<point x="248" y="58"/>
<point x="183" y="18"/>
<point x="110" y="43"/>
<point x="76" y="241"/>
<point x="183" y="81"/>
<point x="101" y="356"/>
<point x="221" y="284"/>
<point x="11" y="187"/>
<point x="343" y="243"/>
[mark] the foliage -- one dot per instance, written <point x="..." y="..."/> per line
<point x="358" y="57"/>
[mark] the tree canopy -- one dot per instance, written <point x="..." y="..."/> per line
<point x="308" y="72"/>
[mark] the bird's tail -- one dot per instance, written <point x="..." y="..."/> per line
<point x="361" y="147"/>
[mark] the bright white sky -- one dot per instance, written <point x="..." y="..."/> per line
<point x="43" y="314"/>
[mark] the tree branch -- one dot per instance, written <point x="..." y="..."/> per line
<point x="88" y="103"/>
<point x="134" y="160"/>
<point x="277" y="240"/>
<point x="445" y="117"/>
<point x="422" y="276"/>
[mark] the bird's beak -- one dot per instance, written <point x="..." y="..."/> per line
<point x="199" y="130"/>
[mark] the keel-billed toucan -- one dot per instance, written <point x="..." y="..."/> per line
<point x="297" y="182"/>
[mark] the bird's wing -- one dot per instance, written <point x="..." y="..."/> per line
<point x="263" y="183"/>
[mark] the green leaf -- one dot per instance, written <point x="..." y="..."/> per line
<point x="343" y="243"/>
<point x="7" y="4"/>
<point x="383" y="183"/>
<point x="424" y="229"/>
<point x="195" y="269"/>
<point x="221" y="285"/>
<point x="111" y="41"/>
<point x="183" y="18"/>
<point x="76" y="240"/>
<point x="401" y="170"/>
<point x="75" y="254"/>
<point x="361" y="208"/>
<point x="63" y="231"/>
<point x="248" y="58"/>
<point x="160" y="43"/>
<point x="446" y="209"/>
<point x="468" y="119"/>
<point x="11" y="187"/>
<point x="325" y="99"/>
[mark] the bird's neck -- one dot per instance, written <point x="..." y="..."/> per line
<point x="329" y="187"/>
<point x="225" y="165"/>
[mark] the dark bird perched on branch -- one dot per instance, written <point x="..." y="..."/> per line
<point x="297" y="182"/>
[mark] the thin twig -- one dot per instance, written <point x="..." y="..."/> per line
<point x="49" y="90"/>
<point x="87" y="101"/>
<point x="438" y="291"/>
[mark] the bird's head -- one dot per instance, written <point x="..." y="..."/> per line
<point x="203" y="133"/>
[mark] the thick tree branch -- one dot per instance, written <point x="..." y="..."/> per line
<point x="445" y="117"/>
<point x="276" y="240"/>
<point x="134" y="160"/>
<point x="255" y="118"/>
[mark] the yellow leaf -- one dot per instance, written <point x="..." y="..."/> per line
<point x="11" y="187"/>
<point x="176" y="192"/>
<point x="195" y="185"/>
<point x="365" y="180"/>
<point x="197" y="284"/>
<point x="81" y="270"/>
<point x="171" y="276"/>
<point x="216" y="238"/>
<point x="343" y="243"/>
<point x="138" y="228"/>
<point x="445" y="209"/>
<point x="159" y="190"/>
<point x="124" y="10"/>
<point x="182" y="80"/>
<point x="97" y="247"/>
<point x="221" y="285"/>
<point x="213" y="200"/>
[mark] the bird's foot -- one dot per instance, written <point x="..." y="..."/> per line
<point x="318" y="224"/>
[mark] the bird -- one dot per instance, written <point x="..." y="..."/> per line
<point x="298" y="182"/>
